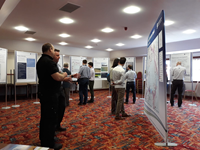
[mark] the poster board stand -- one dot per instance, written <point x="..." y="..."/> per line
<point x="109" y="92"/>
<point x="15" y="90"/>
<point x="6" y="107"/>
<point x="143" y="91"/>
<point x="36" y="102"/>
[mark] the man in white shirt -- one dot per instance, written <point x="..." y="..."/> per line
<point x="178" y="74"/>
<point x="118" y="82"/>
<point x="91" y="81"/>
<point x="130" y="76"/>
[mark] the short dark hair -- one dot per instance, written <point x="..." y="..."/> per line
<point x="46" y="47"/>
<point x="122" y="60"/>
<point x="115" y="62"/>
<point x="65" y="65"/>
<point x="91" y="64"/>
<point x="130" y="67"/>
<point x="85" y="61"/>
<point x="56" y="50"/>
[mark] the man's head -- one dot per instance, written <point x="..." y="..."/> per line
<point x="122" y="61"/>
<point x="84" y="61"/>
<point x="178" y="63"/>
<point x="48" y="49"/>
<point x="90" y="64"/>
<point x="66" y="65"/>
<point x="130" y="67"/>
<point x="56" y="56"/>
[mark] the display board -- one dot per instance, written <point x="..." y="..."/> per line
<point x="185" y="59"/>
<point x="3" y="65"/>
<point x="60" y="62"/>
<point x="101" y="67"/>
<point x="144" y="67"/>
<point x="155" y="85"/>
<point x="76" y="63"/>
<point x="129" y="61"/>
<point x="25" y="67"/>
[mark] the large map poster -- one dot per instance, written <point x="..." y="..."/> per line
<point x="76" y="63"/>
<point x="155" y="85"/>
<point x="3" y="65"/>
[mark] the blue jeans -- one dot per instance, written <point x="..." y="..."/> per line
<point x="132" y="86"/>
<point x="83" y="90"/>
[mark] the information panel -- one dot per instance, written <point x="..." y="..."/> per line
<point x="101" y="67"/>
<point x="25" y="66"/>
<point x="76" y="63"/>
<point x="3" y="65"/>
<point x="60" y="62"/>
<point x="129" y="61"/>
<point x="185" y="59"/>
<point x="155" y="85"/>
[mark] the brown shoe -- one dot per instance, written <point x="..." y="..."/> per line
<point x="126" y="115"/>
<point x="125" y="102"/>
<point x="119" y="118"/>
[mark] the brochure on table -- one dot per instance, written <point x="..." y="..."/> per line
<point x="25" y="67"/>
<point x="3" y="65"/>
<point x="101" y="68"/>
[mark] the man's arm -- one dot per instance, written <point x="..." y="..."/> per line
<point x="59" y="76"/>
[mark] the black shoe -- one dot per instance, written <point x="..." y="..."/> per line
<point x="90" y="101"/>
<point x="179" y="106"/>
<point x="125" y="102"/>
<point x="172" y="105"/>
<point x="56" y="139"/>
<point x="84" y="103"/>
<point x="60" y="129"/>
<point x="133" y="102"/>
<point x="57" y="146"/>
<point x="80" y="104"/>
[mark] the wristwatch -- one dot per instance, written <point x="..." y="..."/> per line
<point x="72" y="76"/>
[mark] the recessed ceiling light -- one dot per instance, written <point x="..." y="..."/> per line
<point x="136" y="36"/>
<point x="168" y="22"/>
<point x="120" y="44"/>
<point x="109" y="49"/>
<point x="96" y="40"/>
<point x="107" y="30"/>
<point x="63" y="55"/>
<point x="63" y="43"/>
<point x="131" y="9"/>
<point x="64" y="35"/>
<point x="66" y="20"/>
<point x="88" y="47"/>
<point x="30" y="39"/>
<point x="21" y="28"/>
<point x="189" y="31"/>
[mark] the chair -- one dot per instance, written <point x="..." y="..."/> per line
<point x="193" y="91"/>
<point x="139" y="81"/>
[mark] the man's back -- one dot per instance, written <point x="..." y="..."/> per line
<point x="179" y="72"/>
<point x="118" y="76"/>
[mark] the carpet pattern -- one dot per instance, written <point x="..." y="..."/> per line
<point x="92" y="126"/>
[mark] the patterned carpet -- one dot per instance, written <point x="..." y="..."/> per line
<point x="92" y="127"/>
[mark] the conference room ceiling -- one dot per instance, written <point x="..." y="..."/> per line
<point x="42" y="17"/>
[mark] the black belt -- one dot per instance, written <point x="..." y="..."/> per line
<point x="131" y="82"/>
<point x="177" y="80"/>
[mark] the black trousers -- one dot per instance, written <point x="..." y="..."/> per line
<point x="130" y="85"/>
<point x="49" y="103"/>
<point x="177" y="84"/>
<point x="114" y="100"/>
<point x="91" y="86"/>
<point x="61" y="107"/>
<point x="83" y="89"/>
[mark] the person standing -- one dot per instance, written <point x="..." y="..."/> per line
<point x="130" y="76"/>
<point x="48" y="93"/>
<point x="178" y="74"/>
<point x="66" y="85"/>
<point x="91" y="81"/>
<point x="118" y="81"/>
<point x="114" y="93"/>
<point x="83" y="82"/>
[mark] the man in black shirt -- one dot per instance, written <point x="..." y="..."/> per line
<point x="49" y="87"/>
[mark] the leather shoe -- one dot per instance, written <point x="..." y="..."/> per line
<point x="125" y="115"/>
<point x="119" y="118"/>
<point x="56" y="139"/>
<point x="80" y="104"/>
<point x="60" y="129"/>
<point x="90" y="101"/>
<point x="57" y="146"/>
<point x="125" y="102"/>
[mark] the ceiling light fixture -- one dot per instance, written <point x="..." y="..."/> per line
<point x="96" y="40"/>
<point x="64" y="35"/>
<point x="63" y="43"/>
<point x="66" y="20"/>
<point x="30" y="39"/>
<point x="63" y="55"/>
<point x="88" y="47"/>
<point x="109" y="49"/>
<point x="107" y="30"/>
<point x="131" y="9"/>
<point x="136" y="36"/>
<point x="21" y="28"/>
<point x="189" y="31"/>
<point x="120" y="44"/>
<point x="168" y="22"/>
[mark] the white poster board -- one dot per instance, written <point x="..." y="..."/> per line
<point x="185" y="59"/>
<point x="25" y="67"/>
<point x="76" y="63"/>
<point x="101" y="67"/>
<point x="129" y="61"/>
<point x="60" y="62"/>
<point x="3" y="65"/>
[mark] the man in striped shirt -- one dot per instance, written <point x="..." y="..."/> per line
<point x="178" y="74"/>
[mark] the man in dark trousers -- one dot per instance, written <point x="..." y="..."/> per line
<point x="49" y="89"/>
<point x="83" y="82"/>
<point x="178" y="74"/>
<point x="91" y="82"/>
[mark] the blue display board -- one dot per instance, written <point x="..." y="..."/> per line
<point x="155" y="85"/>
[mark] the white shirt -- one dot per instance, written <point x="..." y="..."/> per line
<point x="130" y="76"/>
<point x="178" y="72"/>
<point x="92" y="74"/>
<point x="118" y="77"/>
